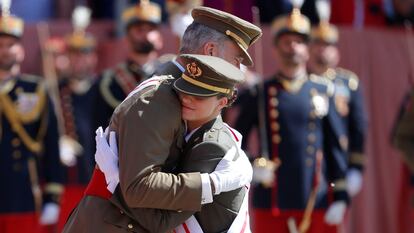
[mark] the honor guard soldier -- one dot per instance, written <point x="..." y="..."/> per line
<point x="144" y="39"/>
<point x="300" y="130"/>
<point x="324" y="58"/>
<point x="76" y="98"/>
<point x="30" y="170"/>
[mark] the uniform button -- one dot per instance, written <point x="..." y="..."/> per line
<point x="16" y="142"/>
<point x="121" y="212"/>
<point x="312" y="138"/>
<point x="312" y="115"/>
<point x="17" y="154"/>
<point x="274" y="113"/>
<point x="17" y="167"/>
<point x="310" y="149"/>
<point x="179" y="211"/>
<point x="276" y="139"/>
<point x="272" y="91"/>
<point x="273" y="102"/>
<point x="309" y="162"/>
<point x="275" y="126"/>
<point x="130" y="226"/>
<point x="312" y="125"/>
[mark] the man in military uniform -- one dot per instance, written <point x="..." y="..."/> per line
<point x="144" y="39"/>
<point x="149" y="130"/>
<point x="29" y="161"/>
<point x="76" y="98"/>
<point x="301" y="136"/>
<point x="324" y="58"/>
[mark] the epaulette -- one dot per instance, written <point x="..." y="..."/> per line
<point x="330" y="87"/>
<point x="104" y="84"/>
<point x="353" y="80"/>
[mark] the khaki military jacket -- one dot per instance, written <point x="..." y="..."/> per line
<point x="148" y="126"/>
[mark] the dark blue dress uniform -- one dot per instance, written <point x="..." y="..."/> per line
<point x="296" y="134"/>
<point x="30" y="170"/>
<point x="349" y="104"/>
<point x="112" y="88"/>
<point x="77" y="116"/>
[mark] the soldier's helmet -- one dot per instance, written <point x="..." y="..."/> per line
<point x="79" y="39"/>
<point x="324" y="31"/>
<point x="208" y="76"/>
<point x="294" y="22"/>
<point x="144" y="11"/>
<point x="10" y="25"/>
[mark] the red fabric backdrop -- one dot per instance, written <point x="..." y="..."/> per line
<point x="379" y="57"/>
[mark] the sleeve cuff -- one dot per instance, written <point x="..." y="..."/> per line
<point x="206" y="193"/>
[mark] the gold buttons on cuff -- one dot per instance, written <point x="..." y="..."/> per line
<point x="272" y="91"/>
<point x="273" y="102"/>
<point x="275" y="126"/>
<point x="17" y="154"/>
<point x="15" y="142"/>
<point x="312" y="125"/>
<point x="276" y="139"/>
<point x="312" y="138"/>
<point x="130" y="226"/>
<point x="310" y="149"/>
<point x="17" y="167"/>
<point x="274" y="113"/>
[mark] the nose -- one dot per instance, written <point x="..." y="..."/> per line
<point x="185" y="98"/>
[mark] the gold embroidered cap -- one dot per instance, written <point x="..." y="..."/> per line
<point x="207" y="76"/>
<point x="145" y="11"/>
<point x="80" y="39"/>
<point x="325" y="32"/>
<point x="295" y="23"/>
<point x="242" y="32"/>
<point x="10" y="25"/>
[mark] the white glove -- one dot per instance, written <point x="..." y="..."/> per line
<point x="335" y="213"/>
<point x="263" y="175"/>
<point x="354" y="182"/>
<point x="106" y="157"/>
<point x="50" y="214"/>
<point x="69" y="149"/>
<point x="230" y="175"/>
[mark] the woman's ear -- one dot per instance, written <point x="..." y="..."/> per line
<point x="223" y="101"/>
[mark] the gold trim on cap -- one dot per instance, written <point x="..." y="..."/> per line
<point x="205" y="85"/>
<point x="237" y="38"/>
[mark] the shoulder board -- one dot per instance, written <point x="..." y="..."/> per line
<point x="330" y="88"/>
<point x="221" y="136"/>
<point x="353" y="80"/>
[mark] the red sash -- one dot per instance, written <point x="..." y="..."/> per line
<point x="97" y="185"/>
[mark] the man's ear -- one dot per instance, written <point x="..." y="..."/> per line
<point x="210" y="49"/>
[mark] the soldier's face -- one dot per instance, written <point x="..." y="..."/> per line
<point x="323" y="54"/>
<point x="292" y="50"/>
<point x="144" y="38"/>
<point x="230" y="52"/>
<point x="82" y="64"/>
<point x="200" y="110"/>
<point x="9" y="52"/>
